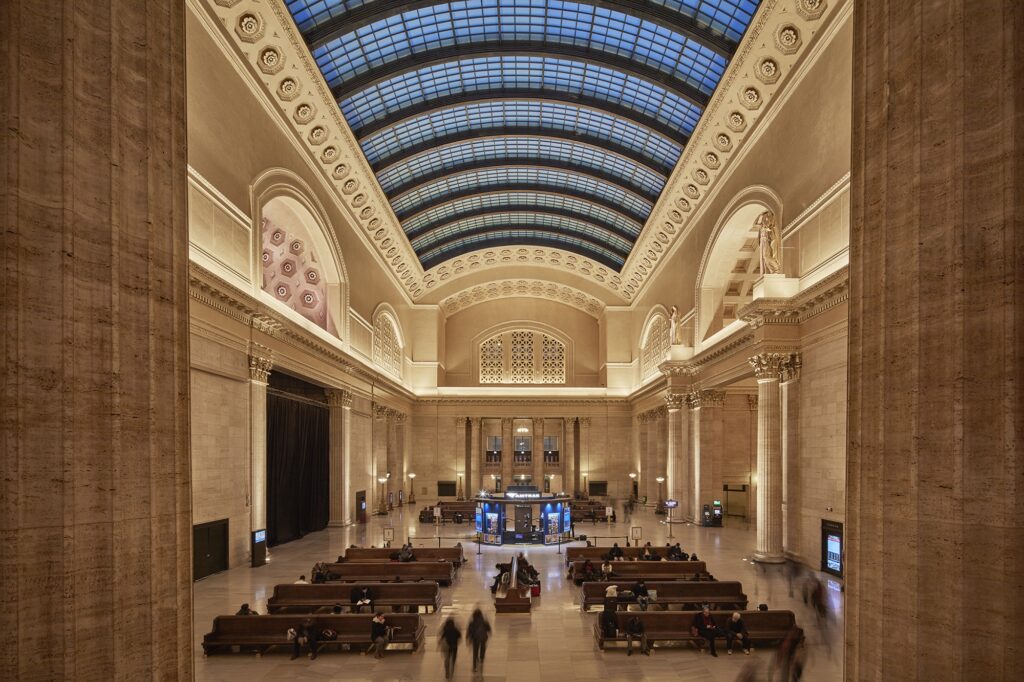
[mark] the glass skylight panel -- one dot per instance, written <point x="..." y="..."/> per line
<point x="540" y="201"/>
<point x="309" y="14"/>
<point x="727" y="17"/>
<point x="467" y="22"/>
<point x="522" y="219"/>
<point x="502" y="237"/>
<point x="502" y="114"/>
<point x="495" y="75"/>
<point x="512" y="150"/>
<point x="509" y="177"/>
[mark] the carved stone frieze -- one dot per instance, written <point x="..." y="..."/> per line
<point x="522" y="287"/>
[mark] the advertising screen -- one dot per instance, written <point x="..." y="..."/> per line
<point x="479" y="518"/>
<point x="834" y="552"/>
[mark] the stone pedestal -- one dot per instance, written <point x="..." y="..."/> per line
<point x="935" y="495"/>
<point x="96" y="520"/>
<point x="340" y="405"/>
<point x="776" y="286"/>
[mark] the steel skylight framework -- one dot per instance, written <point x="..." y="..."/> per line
<point x="525" y="122"/>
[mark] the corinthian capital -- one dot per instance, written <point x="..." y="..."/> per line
<point x="701" y="399"/>
<point x="338" y="397"/>
<point x="261" y="361"/>
<point x="674" y="401"/>
<point x="769" y="366"/>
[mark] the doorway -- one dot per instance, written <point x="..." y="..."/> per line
<point x="209" y="548"/>
<point x="361" y="506"/>
<point x="735" y="500"/>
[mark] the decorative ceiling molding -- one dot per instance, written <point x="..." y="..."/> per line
<point x="763" y="66"/>
<point x="265" y="39"/>
<point x="484" y="259"/>
<point x="509" y="288"/>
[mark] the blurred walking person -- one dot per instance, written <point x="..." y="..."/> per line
<point x="448" y="642"/>
<point x="477" y="633"/>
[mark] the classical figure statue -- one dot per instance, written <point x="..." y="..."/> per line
<point x="769" y="239"/>
<point x="673" y="326"/>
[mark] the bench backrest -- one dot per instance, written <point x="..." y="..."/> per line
<point x="597" y="554"/>
<point x="386" y="571"/>
<point x="671" y="589"/>
<point x="277" y="625"/>
<point x="648" y="570"/>
<point x="453" y="554"/>
<point x="680" y="621"/>
<point x="334" y="593"/>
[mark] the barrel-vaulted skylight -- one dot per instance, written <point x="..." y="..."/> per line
<point x="522" y="122"/>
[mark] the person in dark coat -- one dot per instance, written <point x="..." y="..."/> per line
<point x="246" y="611"/>
<point x="477" y="633"/>
<point x="736" y="631"/>
<point x="704" y="626"/>
<point x="305" y="634"/>
<point x="609" y="623"/>
<point x="361" y="596"/>
<point x="615" y="552"/>
<point x="448" y="641"/>
<point x="643" y="597"/>
<point x="379" y="634"/>
<point x="635" y="630"/>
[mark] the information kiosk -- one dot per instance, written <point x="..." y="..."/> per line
<point x="522" y="515"/>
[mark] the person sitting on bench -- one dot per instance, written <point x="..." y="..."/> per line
<point x="643" y="597"/>
<point x="378" y="635"/>
<point x="615" y="553"/>
<point x="649" y="555"/>
<point x="736" y="630"/>
<point x="502" y="570"/>
<point x="406" y="554"/>
<point x="606" y="570"/>
<point x="246" y="611"/>
<point x="361" y="596"/>
<point x="305" y="634"/>
<point x="635" y="630"/>
<point x="704" y="626"/>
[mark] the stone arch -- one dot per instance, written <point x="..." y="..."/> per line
<point x="388" y="340"/>
<point x="654" y="343"/>
<point x="730" y="263"/>
<point x="296" y="252"/>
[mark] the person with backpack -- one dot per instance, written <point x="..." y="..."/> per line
<point x="477" y="633"/>
<point x="635" y="630"/>
<point x="608" y="621"/>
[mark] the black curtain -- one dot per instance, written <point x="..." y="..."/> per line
<point x="298" y="486"/>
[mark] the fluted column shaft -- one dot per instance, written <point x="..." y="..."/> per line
<point x="675" y="479"/>
<point x="260" y="365"/>
<point x="706" y="446"/>
<point x="474" y="457"/>
<point x="769" y="458"/>
<point x="568" y="456"/>
<point x="506" y="452"/>
<point x="538" y="453"/>
<point x="460" y="456"/>
<point x="95" y="491"/>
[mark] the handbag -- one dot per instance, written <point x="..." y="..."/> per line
<point x="291" y="634"/>
<point x="329" y="635"/>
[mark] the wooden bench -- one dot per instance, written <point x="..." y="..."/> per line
<point x="516" y="598"/>
<point x="442" y="572"/>
<point x="379" y="554"/>
<point x="262" y="633"/>
<point x="597" y="554"/>
<point x="588" y="511"/>
<point x="649" y="570"/>
<point x="312" y="598"/>
<point x="674" y="626"/>
<point x="722" y="595"/>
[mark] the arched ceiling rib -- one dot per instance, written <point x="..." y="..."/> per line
<point x="522" y="122"/>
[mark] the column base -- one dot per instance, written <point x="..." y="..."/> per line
<point x="773" y="558"/>
<point x="338" y="524"/>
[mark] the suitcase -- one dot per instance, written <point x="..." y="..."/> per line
<point x="534" y="590"/>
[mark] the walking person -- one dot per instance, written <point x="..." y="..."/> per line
<point x="448" y="642"/>
<point x="477" y="633"/>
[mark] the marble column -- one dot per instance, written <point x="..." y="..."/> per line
<point x="339" y="403"/>
<point x="401" y="456"/>
<point x="506" y="452"/>
<point x="460" y="457"/>
<point x="767" y="371"/>
<point x="260" y="364"/>
<point x="379" y="450"/>
<point x="791" y="470"/>
<point x="475" y="460"/>
<point x="583" y="455"/>
<point x="935" y="534"/>
<point x="706" y="445"/>
<point x="570" y="464"/>
<point x="675" y="479"/>
<point x="96" y="521"/>
<point x="538" y="453"/>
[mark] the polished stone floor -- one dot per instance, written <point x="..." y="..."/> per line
<point x="555" y="642"/>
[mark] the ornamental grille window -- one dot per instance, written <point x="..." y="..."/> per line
<point x="656" y="346"/>
<point x="522" y="357"/>
<point x="387" y="351"/>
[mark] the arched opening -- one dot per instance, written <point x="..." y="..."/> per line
<point x="388" y="343"/>
<point x="654" y="342"/>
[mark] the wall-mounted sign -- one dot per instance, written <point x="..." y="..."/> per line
<point x="671" y="504"/>
<point x="522" y="496"/>
<point x="389" y="533"/>
<point x="636" y="532"/>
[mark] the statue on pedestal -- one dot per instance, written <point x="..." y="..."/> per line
<point x="771" y="264"/>
<point x="673" y="326"/>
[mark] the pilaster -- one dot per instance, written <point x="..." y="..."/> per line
<point x="706" y="444"/>
<point x="339" y="402"/>
<point x="260" y="365"/>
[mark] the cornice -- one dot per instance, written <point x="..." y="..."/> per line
<point x="831" y="291"/>
<point x="768" y="63"/>
<point x="508" y="288"/>
<point x="557" y="402"/>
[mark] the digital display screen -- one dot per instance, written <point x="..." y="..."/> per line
<point x="479" y="518"/>
<point x="834" y="552"/>
<point x="259" y="536"/>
